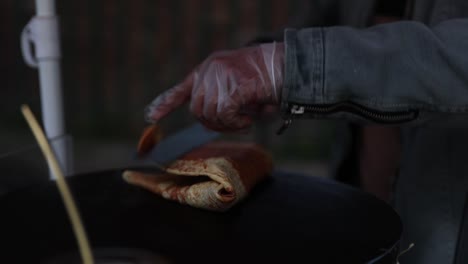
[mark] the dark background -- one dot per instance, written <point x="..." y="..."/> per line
<point x="119" y="55"/>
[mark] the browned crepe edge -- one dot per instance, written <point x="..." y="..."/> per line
<point x="235" y="167"/>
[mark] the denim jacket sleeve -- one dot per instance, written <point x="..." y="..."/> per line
<point x="389" y="73"/>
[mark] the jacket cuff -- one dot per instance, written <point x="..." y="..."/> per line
<point x="304" y="67"/>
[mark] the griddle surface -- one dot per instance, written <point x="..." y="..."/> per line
<point x="285" y="218"/>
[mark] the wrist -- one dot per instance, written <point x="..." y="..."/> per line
<point x="273" y="57"/>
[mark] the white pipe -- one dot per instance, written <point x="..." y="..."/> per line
<point x="52" y="107"/>
<point x="43" y="31"/>
<point x="45" y="7"/>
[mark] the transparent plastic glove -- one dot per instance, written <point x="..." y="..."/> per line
<point x="228" y="89"/>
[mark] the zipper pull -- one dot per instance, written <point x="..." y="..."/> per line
<point x="295" y="110"/>
<point x="284" y="126"/>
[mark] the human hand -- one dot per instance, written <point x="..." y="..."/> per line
<point x="228" y="88"/>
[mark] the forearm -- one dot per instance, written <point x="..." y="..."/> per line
<point x="400" y="68"/>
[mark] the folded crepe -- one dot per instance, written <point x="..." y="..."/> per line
<point x="215" y="176"/>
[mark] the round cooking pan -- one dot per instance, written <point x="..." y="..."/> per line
<point x="288" y="218"/>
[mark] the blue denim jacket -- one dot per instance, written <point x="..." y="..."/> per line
<point x="412" y="73"/>
<point x="391" y="73"/>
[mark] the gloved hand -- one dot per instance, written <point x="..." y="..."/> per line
<point x="228" y="88"/>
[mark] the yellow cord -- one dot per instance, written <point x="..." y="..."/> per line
<point x="67" y="198"/>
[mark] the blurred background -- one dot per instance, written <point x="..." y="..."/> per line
<point x="118" y="55"/>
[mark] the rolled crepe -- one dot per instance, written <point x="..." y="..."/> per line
<point x="215" y="176"/>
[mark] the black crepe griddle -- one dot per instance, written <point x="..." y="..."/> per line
<point x="287" y="218"/>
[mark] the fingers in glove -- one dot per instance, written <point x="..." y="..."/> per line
<point x="169" y="100"/>
<point x="233" y="121"/>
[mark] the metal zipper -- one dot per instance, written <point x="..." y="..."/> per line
<point x="295" y="110"/>
<point x="383" y="117"/>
